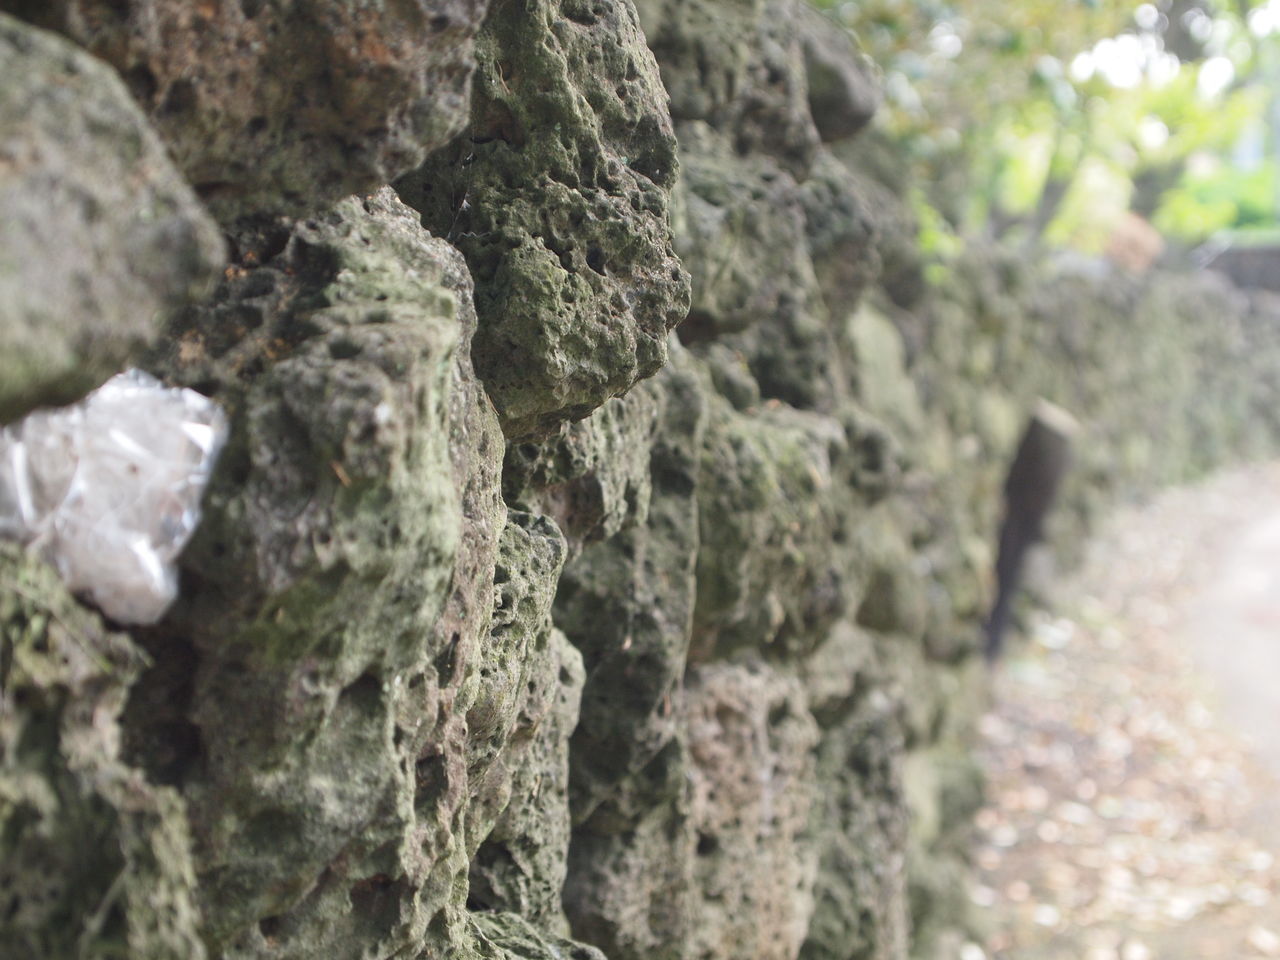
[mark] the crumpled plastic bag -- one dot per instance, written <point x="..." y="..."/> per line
<point x="108" y="490"/>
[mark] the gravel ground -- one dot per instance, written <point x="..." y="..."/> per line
<point x="1133" y="754"/>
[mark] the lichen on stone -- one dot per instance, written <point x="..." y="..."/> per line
<point x="627" y="603"/>
<point x="100" y="238"/>
<point x="557" y="195"/>
<point x="767" y="566"/>
<point x="331" y="537"/>
<point x="95" y="860"/>
<point x="279" y="106"/>
<point x="620" y="640"/>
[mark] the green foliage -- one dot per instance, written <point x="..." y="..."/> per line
<point x="936" y="237"/>
<point x="1054" y="118"/>
<point x="1224" y="198"/>
<point x="1128" y="143"/>
<point x="953" y="67"/>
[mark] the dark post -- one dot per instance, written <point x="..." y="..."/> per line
<point x="1043" y="457"/>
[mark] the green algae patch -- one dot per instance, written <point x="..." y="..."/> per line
<point x="95" y="861"/>
<point x="333" y="529"/>
<point x="557" y="195"/>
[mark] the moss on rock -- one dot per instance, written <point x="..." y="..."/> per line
<point x="95" y="861"/>
<point x="558" y="198"/>
<point x="280" y="107"/>
<point x="100" y="238"/>
<point x="320" y="783"/>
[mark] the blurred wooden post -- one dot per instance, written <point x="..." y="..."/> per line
<point x="1042" y="460"/>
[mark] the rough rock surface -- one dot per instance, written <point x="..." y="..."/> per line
<point x="94" y="859"/>
<point x="860" y="810"/>
<point x="557" y="195"/>
<point x="844" y="92"/>
<point x="377" y="603"/>
<point x="751" y="740"/>
<point x="635" y="640"/>
<point x="765" y="566"/>
<point x="331" y="531"/>
<point x="284" y="106"/>
<point x="620" y="641"/>
<point x="99" y="236"/>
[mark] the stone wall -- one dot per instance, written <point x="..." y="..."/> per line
<point x="597" y="562"/>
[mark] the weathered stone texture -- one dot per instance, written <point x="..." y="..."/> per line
<point x="99" y="235"/>
<point x="844" y="90"/>
<point x="378" y="712"/>
<point x="701" y="837"/>
<point x="751" y="741"/>
<point x="521" y="865"/>
<point x="557" y="195"/>
<point x="860" y="812"/>
<point x="593" y="478"/>
<point x="767" y="573"/>
<point x="520" y="625"/>
<point x="627" y="603"/>
<point x="507" y="936"/>
<point x="516" y="687"/>
<point x="284" y="106"/>
<point x="94" y="859"/>
<point x="331" y="531"/>
<point x="631" y="888"/>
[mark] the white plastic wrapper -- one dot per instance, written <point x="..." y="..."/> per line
<point x="108" y="490"/>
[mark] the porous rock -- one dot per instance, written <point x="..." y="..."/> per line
<point x="842" y="234"/>
<point x="769" y="258"/>
<point x="100" y="237"/>
<point x="326" y="772"/>
<point x="860" y="903"/>
<point x="94" y="858"/>
<point x="876" y="169"/>
<point x="679" y="850"/>
<point x="775" y="551"/>
<point x="704" y="50"/>
<point x="770" y="115"/>
<point x="627" y="603"/>
<point x="557" y="195"/>
<point x="844" y="92"/>
<point x="520" y="866"/>
<point x="508" y="936"/>
<point x="751" y="741"/>
<point x="518" y="665"/>
<point x="631" y="888"/>
<point x="740" y="227"/>
<point x="767" y="569"/>
<point x="738" y="66"/>
<point x="284" y="106"/>
<point x="593" y="475"/>
<point x="705" y="851"/>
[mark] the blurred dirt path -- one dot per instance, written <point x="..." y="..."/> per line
<point x="1233" y="625"/>
<point x="1133" y="754"/>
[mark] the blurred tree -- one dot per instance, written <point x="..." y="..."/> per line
<point x="1049" y="119"/>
